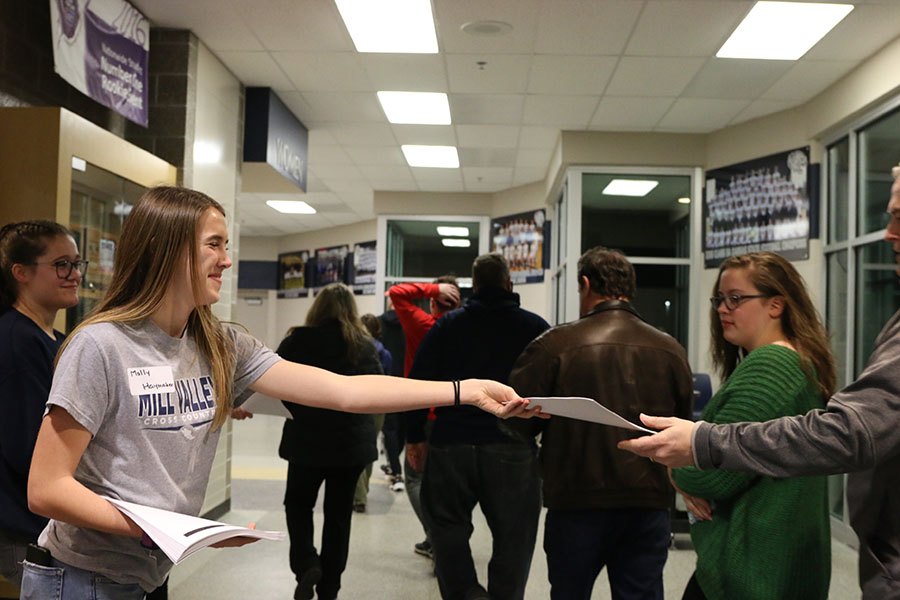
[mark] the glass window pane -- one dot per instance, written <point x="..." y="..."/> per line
<point x="415" y="249"/>
<point x="838" y="190"/>
<point x="836" y="311"/>
<point x="655" y="224"/>
<point x="877" y="297"/>
<point x="879" y="151"/>
<point x="662" y="298"/>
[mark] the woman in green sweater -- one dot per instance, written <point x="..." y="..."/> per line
<point x="758" y="537"/>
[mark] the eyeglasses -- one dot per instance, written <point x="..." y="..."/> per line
<point x="732" y="301"/>
<point x="64" y="267"/>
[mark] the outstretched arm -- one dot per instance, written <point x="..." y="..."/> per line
<point x="311" y="386"/>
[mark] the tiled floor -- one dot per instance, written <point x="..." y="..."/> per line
<point x="382" y="564"/>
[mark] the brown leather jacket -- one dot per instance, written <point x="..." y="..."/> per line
<point x="616" y="358"/>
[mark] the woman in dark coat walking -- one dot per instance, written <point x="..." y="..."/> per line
<point x="324" y="445"/>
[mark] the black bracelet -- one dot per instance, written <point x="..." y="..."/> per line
<point x="456" y="392"/>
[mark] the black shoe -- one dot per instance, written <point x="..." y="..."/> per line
<point x="306" y="583"/>
<point x="359" y="507"/>
<point x="424" y="548"/>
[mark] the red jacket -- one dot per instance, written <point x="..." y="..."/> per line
<point x="415" y="321"/>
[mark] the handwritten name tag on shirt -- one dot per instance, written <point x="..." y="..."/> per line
<point x="151" y="380"/>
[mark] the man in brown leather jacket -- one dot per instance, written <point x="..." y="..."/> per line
<point x="604" y="507"/>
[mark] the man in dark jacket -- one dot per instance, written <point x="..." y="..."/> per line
<point x="604" y="507"/>
<point x="469" y="460"/>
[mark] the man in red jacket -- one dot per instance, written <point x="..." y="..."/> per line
<point x="444" y="295"/>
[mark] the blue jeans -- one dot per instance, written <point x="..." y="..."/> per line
<point x="65" y="582"/>
<point x="503" y="479"/>
<point x="633" y="543"/>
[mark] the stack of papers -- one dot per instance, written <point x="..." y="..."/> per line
<point x="178" y="535"/>
<point x="584" y="409"/>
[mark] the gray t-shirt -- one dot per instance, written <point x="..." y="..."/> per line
<point x="154" y="449"/>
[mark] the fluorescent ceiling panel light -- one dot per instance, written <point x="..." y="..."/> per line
<point x="629" y="187"/>
<point x="296" y="207"/>
<point x="453" y="231"/>
<point x="405" y="26"/>
<point x="782" y="30"/>
<point x="417" y="108"/>
<point x="456" y="242"/>
<point x="442" y="157"/>
<point x="684" y="200"/>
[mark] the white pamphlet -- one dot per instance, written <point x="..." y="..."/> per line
<point x="178" y="535"/>
<point x="260" y="404"/>
<point x="584" y="409"/>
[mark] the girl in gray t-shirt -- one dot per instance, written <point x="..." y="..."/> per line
<point x="142" y="386"/>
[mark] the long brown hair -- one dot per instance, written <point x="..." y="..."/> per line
<point x="335" y="302"/>
<point x="160" y="231"/>
<point x="775" y="276"/>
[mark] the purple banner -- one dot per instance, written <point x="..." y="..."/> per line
<point x="102" y="48"/>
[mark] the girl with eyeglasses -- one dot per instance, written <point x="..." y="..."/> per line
<point x="40" y="272"/>
<point x="104" y="433"/>
<point x="760" y="537"/>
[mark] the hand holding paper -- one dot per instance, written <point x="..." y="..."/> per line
<point x="584" y="409"/>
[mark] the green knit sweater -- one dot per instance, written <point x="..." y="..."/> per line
<point x="769" y="539"/>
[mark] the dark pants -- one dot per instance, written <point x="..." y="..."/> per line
<point x="299" y="500"/>
<point x="693" y="591"/>
<point x="394" y="435"/>
<point x="503" y="479"/>
<point x="631" y="542"/>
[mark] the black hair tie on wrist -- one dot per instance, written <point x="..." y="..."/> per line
<point x="456" y="392"/>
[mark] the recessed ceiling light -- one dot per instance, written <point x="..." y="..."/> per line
<point x="453" y="231"/>
<point x="684" y="200"/>
<point x="629" y="187"/>
<point x="442" y="157"/>
<point x="418" y="108"/>
<point x="486" y="28"/>
<point x="782" y="30"/>
<point x="456" y="242"/>
<point x="297" y="207"/>
<point x="390" y="26"/>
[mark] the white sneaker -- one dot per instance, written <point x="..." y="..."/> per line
<point x="397" y="485"/>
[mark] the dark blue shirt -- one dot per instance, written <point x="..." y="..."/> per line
<point x="26" y="372"/>
<point x="482" y="339"/>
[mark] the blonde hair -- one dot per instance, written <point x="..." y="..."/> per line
<point x="335" y="302"/>
<point x="773" y="275"/>
<point x="160" y="232"/>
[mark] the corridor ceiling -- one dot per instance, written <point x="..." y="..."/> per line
<point x="608" y="65"/>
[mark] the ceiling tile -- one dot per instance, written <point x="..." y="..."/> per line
<point x="430" y="135"/>
<point x="574" y="75"/>
<point x="405" y="72"/>
<point x="442" y="186"/>
<point x="761" y="108"/>
<point x="364" y="134"/>
<point x="394" y="185"/>
<point x="867" y="28"/>
<point x="345" y="107"/>
<point x="426" y="175"/>
<point x="487" y="157"/>
<point x="727" y="78"/>
<point x="502" y="73"/>
<point x="336" y="172"/>
<point x="298" y="26"/>
<point x="807" y="78"/>
<point x="328" y="155"/>
<point x="341" y="185"/>
<point x="394" y="173"/>
<point x="375" y="155"/>
<point x="487" y="136"/>
<point x="521" y="14"/>
<point x="255" y="69"/>
<point x="637" y="114"/>
<point x="227" y="31"/>
<point x="567" y="112"/>
<point x="685" y="27"/>
<point x="533" y="157"/>
<point x="487" y="175"/>
<point x="321" y="72"/>
<point x="700" y="115"/>
<point x="321" y="135"/>
<point x="486" y="109"/>
<point x="531" y="136"/>
<point x="579" y="27"/>
<point x="655" y="77"/>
